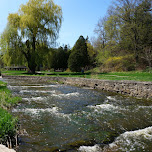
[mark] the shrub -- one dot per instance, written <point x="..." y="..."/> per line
<point x="7" y="121"/>
<point x="7" y="126"/>
<point x="120" y="63"/>
<point x="6" y="99"/>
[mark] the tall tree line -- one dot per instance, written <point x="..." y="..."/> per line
<point x="124" y="38"/>
<point x="29" y="37"/>
<point x="125" y="33"/>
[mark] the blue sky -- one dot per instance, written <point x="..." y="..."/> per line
<point x="79" y="17"/>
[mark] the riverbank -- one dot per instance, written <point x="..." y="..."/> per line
<point x="59" y="117"/>
<point x="5" y="149"/>
<point x="132" y="75"/>
<point x="8" y="123"/>
<point x="125" y="87"/>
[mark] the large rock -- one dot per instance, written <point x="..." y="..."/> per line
<point x="5" y="149"/>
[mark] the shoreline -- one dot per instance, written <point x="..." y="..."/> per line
<point x="7" y="119"/>
<point x="116" y="86"/>
<point x="5" y="149"/>
<point x="137" y="89"/>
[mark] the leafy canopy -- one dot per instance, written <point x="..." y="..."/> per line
<point x="37" y="18"/>
<point x="36" y="25"/>
<point x="126" y="30"/>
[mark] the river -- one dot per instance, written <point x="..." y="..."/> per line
<point x="58" y="117"/>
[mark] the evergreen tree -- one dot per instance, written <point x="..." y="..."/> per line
<point x="60" y="58"/>
<point x="79" y="56"/>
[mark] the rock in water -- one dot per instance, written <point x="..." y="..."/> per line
<point x="5" y="149"/>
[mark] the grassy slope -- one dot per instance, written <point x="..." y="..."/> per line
<point x="137" y="76"/>
<point x="7" y="121"/>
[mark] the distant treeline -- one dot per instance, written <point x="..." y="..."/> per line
<point x="123" y="40"/>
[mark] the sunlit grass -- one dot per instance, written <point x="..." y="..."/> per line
<point x="6" y="98"/>
<point x="134" y="75"/>
<point x="7" y="121"/>
<point x="7" y="125"/>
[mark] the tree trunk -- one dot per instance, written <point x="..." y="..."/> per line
<point x="30" y="56"/>
<point x="32" y="63"/>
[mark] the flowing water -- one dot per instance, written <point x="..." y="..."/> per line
<point x="64" y="118"/>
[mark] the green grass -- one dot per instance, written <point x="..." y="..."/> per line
<point x="7" y="126"/>
<point x="6" y="98"/>
<point x="134" y="75"/>
<point x="7" y="121"/>
<point x="13" y="72"/>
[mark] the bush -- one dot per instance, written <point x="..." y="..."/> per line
<point x="6" y="99"/>
<point x="7" y="125"/>
<point x="120" y="63"/>
<point x="7" y="121"/>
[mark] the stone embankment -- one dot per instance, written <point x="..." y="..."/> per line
<point x="129" y="88"/>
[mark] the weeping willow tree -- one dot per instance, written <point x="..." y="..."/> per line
<point x="10" y="49"/>
<point x="35" y="27"/>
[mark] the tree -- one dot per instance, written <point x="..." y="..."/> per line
<point x="79" y="55"/>
<point x="91" y="53"/>
<point x="100" y="31"/>
<point x="127" y="31"/>
<point x="147" y="55"/>
<point x="48" y="59"/>
<point x="35" y="26"/>
<point x="60" y="58"/>
<point x="10" y="49"/>
<point x="135" y="25"/>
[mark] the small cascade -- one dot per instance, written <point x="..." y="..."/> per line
<point x="65" y="118"/>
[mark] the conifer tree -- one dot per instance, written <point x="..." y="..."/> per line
<point x="79" y="56"/>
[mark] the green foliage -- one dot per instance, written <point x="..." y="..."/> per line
<point x="47" y="59"/>
<point x="6" y="99"/>
<point x="7" y="125"/>
<point x="30" y="32"/>
<point x="11" y="53"/>
<point x="2" y="83"/>
<point x="91" y="53"/>
<point x="126" y="30"/>
<point x="120" y="63"/>
<point x="60" y="58"/>
<point x="7" y="121"/>
<point x="108" y="51"/>
<point x="79" y="57"/>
